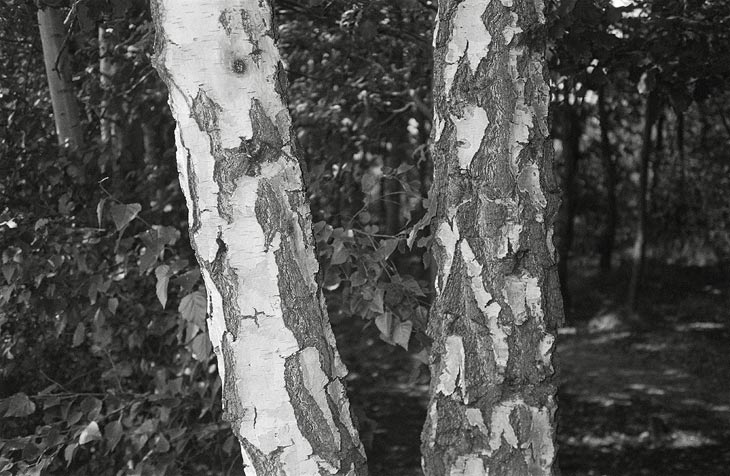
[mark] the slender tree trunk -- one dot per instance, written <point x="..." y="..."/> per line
<point x="609" y="165"/>
<point x="681" y="160"/>
<point x="111" y="131"/>
<point x="498" y="301"/>
<point x="250" y="227"/>
<point x="63" y="98"/>
<point x="149" y="141"/>
<point x="656" y="163"/>
<point x="572" y="131"/>
<point x="391" y="193"/>
<point x="639" y="249"/>
<point x="107" y="71"/>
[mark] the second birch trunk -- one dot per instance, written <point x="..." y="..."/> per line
<point x="492" y="407"/>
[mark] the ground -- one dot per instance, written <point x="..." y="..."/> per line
<point x="639" y="396"/>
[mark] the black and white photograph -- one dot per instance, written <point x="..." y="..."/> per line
<point x="365" y="238"/>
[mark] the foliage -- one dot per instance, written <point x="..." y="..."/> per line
<point x="679" y="50"/>
<point x="98" y="377"/>
<point x="359" y="89"/>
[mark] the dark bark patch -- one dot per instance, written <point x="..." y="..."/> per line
<point x="270" y="213"/>
<point x="266" y="143"/>
<point x="205" y="111"/>
<point x="263" y="463"/>
<point x="310" y="418"/>
<point x="452" y="301"/>
<point x="455" y="437"/>
<point x="281" y="85"/>
<point x="225" y="22"/>
<point x="239" y="66"/>
<point x="226" y="282"/>
<point x="193" y="189"/>
<point x="303" y="314"/>
<point x="233" y="412"/>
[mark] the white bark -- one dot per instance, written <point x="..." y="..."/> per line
<point x="251" y="230"/>
<point x="65" y="109"/>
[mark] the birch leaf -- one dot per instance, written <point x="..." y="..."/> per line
<point x="113" y="434"/>
<point x="339" y="252"/>
<point x="384" y="322"/>
<point x="386" y="248"/>
<point x="357" y="279"/>
<point x="112" y="305"/>
<point x="402" y="333"/>
<point x="163" y="278"/>
<point x="68" y="453"/>
<point x="79" y="335"/>
<point x="200" y="347"/>
<point x="19" y="405"/>
<point x="90" y="433"/>
<point x="192" y="308"/>
<point x="123" y="214"/>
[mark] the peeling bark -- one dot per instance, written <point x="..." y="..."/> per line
<point x="250" y="228"/>
<point x="65" y="108"/>
<point x="498" y="299"/>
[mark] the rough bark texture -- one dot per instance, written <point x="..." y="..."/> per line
<point x="63" y="98"/>
<point x="498" y="301"/>
<point x="638" y="253"/>
<point x="250" y="227"/>
<point x="609" y="165"/>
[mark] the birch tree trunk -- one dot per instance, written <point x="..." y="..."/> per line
<point x="250" y="227"/>
<point x="63" y="99"/>
<point x="609" y="166"/>
<point x="109" y="129"/>
<point x="498" y="301"/>
<point x="565" y="222"/>
<point x="638" y="253"/>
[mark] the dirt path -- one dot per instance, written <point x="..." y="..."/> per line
<point x="653" y="402"/>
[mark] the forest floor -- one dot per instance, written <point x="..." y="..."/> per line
<point x="647" y="398"/>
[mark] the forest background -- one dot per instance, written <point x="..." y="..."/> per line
<point x="105" y="365"/>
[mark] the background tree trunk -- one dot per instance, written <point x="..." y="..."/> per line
<point x="250" y="227"/>
<point x="391" y="196"/>
<point x="571" y="133"/>
<point x="682" y="160"/>
<point x="109" y="128"/>
<point x="63" y="97"/>
<point x="609" y="165"/>
<point x="497" y="300"/>
<point x="639" y="249"/>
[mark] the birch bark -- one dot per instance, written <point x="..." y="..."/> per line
<point x="498" y="302"/>
<point x="65" y="109"/>
<point x="250" y="227"/>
